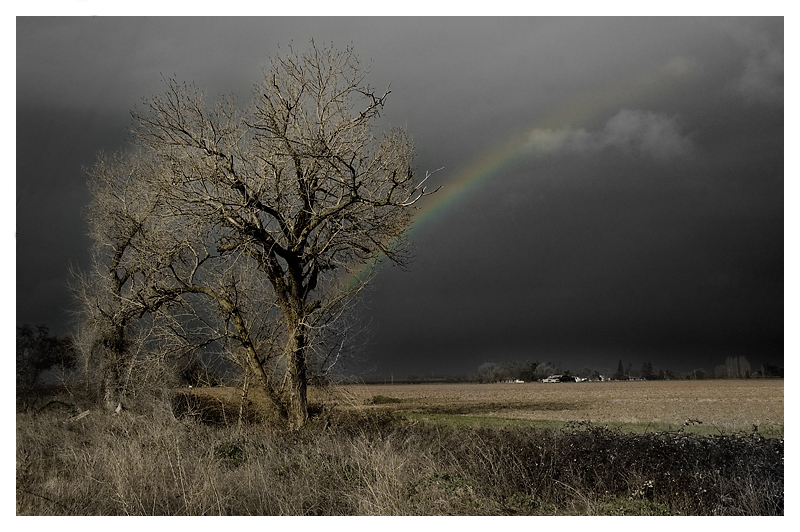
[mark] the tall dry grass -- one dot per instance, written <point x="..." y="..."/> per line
<point x="350" y="462"/>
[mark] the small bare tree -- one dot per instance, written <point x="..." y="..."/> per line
<point x="124" y="220"/>
<point x="261" y="216"/>
<point x="737" y="367"/>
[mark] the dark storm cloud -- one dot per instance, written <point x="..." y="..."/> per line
<point x="647" y="224"/>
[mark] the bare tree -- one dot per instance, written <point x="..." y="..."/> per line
<point x="737" y="367"/>
<point x="264" y="214"/>
<point x="124" y="220"/>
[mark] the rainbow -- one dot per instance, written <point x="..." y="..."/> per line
<point x="576" y="114"/>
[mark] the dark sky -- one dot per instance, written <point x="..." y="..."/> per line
<point x="612" y="187"/>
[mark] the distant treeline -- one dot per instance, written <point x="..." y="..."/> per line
<point x="39" y="352"/>
<point x="734" y="368"/>
<point x="527" y="371"/>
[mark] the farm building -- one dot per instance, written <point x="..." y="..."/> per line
<point x="560" y="378"/>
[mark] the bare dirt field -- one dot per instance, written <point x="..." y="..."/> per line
<point x="728" y="404"/>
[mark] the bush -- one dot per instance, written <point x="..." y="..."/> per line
<point x="588" y="463"/>
<point x="37" y="352"/>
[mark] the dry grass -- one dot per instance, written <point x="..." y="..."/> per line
<point x="730" y="405"/>
<point x="365" y="462"/>
<point x="224" y="406"/>
<point x="186" y="453"/>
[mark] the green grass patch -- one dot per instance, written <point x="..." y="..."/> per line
<point x="467" y="421"/>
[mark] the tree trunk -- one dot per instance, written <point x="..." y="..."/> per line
<point x="113" y="365"/>
<point x="258" y="370"/>
<point x="297" y="386"/>
<point x="252" y="356"/>
<point x="113" y="387"/>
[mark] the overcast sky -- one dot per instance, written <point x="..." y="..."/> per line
<point x="612" y="187"/>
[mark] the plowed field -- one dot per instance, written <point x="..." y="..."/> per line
<point x="727" y="404"/>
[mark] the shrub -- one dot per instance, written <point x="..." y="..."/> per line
<point x="38" y="351"/>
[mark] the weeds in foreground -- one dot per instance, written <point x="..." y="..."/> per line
<point x="355" y="463"/>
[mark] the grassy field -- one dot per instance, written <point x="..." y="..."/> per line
<point x="503" y="449"/>
<point x="709" y="406"/>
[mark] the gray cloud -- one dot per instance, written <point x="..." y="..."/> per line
<point x="634" y="132"/>
<point x="760" y="78"/>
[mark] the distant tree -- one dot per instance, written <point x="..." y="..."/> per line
<point x="768" y="370"/>
<point x="492" y="372"/>
<point x="737" y="367"/>
<point x="486" y="372"/>
<point x="508" y="370"/>
<point x="545" y="370"/>
<point x="647" y="371"/>
<point x="698" y="374"/>
<point x="38" y="351"/>
<point x="263" y="210"/>
<point x="528" y="371"/>
<point x="620" y="374"/>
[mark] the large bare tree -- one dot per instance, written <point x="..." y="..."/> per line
<point x="286" y="200"/>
